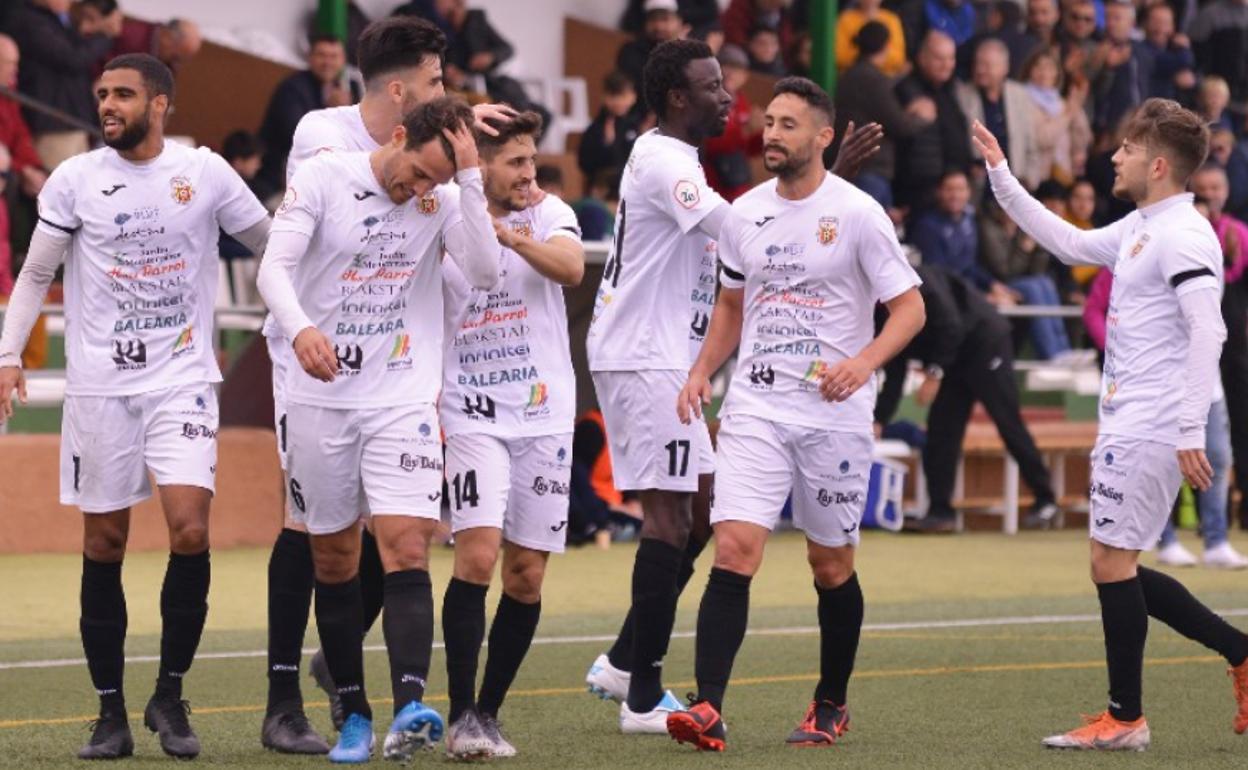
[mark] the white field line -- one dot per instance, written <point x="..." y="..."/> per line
<point x="921" y="625"/>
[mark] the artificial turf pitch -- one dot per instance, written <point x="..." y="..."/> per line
<point x="926" y="692"/>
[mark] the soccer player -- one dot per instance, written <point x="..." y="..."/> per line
<point x="136" y="222"/>
<point x="401" y="61"/>
<point x="1165" y="334"/>
<point x="651" y="314"/>
<point x="508" y="403"/>
<point x="799" y="284"/>
<point x="362" y="422"/>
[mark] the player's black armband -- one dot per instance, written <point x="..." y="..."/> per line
<point x="1179" y="279"/>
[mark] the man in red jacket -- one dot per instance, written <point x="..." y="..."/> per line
<point x="18" y="160"/>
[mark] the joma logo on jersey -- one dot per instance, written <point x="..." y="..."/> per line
<point x="410" y="462"/>
<point x="185" y="342"/>
<point x="129" y="355"/>
<point x="828" y="229"/>
<point x="483" y="409"/>
<point x="350" y="359"/>
<point x="1139" y="246"/>
<point x="832" y="497"/>
<point x="545" y="486"/>
<point x="428" y="204"/>
<point x="181" y="190"/>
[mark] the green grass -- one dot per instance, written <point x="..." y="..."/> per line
<point x="963" y="697"/>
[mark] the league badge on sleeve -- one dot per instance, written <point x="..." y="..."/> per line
<point x="686" y="193"/>
<point x="181" y="189"/>
<point x="828" y="229"/>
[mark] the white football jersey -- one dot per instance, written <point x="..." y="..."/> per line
<point x="654" y="303"/>
<point x="371" y="281"/>
<point x="141" y="272"/>
<point x="508" y="367"/>
<point x="813" y="271"/>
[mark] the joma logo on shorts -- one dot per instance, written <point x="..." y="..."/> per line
<point x="827" y="498"/>
<point x="1109" y="493"/>
<point x="543" y="485"/>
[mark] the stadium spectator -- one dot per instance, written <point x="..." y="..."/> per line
<point x="1016" y="260"/>
<point x="58" y="72"/>
<point x="1002" y="20"/>
<point x="1220" y="35"/>
<point x="25" y="167"/>
<point x="103" y="17"/>
<point x="319" y="86"/>
<point x="1061" y="129"/>
<point x="663" y="23"/>
<point x="702" y="17"/>
<point x="1210" y="183"/>
<point x="865" y="96"/>
<point x="727" y="156"/>
<point x="893" y="63"/>
<point x="1081" y="52"/>
<point x="742" y="17"/>
<point x="244" y="152"/>
<point x="174" y="42"/>
<point x="1006" y="108"/>
<point x="956" y="18"/>
<point x="1081" y="212"/>
<point x="1165" y="55"/>
<point x="1040" y="33"/>
<point x="942" y="145"/>
<point x="967" y="356"/>
<point x="947" y="236"/>
<point x="1124" y="76"/>
<point x="608" y="140"/>
<point x="764" y="51"/>
<point x="1213" y="97"/>
<point x="1233" y="159"/>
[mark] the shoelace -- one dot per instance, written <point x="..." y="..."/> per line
<point x="297" y="721"/>
<point x="176" y="712"/>
<point x="354" y="731"/>
<point x="491" y="727"/>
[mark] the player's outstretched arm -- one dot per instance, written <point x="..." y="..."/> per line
<point x="1065" y="241"/>
<point x="1206" y="333"/>
<point x="723" y="337"/>
<point x="470" y="240"/>
<point x="559" y="259"/>
<point x="47" y="249"/>
<point x="906" y="316"/>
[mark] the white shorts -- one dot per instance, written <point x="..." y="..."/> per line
<point x="759" y="462"/>
<point x="109" y="443"/>
<point x="283" y="358"/>
<point x="518" y="485"/>
<point x="347" y="463"/>
<point x="1134" y="484"/>
<point x="650" y="447"/>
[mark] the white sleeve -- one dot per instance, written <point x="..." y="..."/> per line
<point x="1191" y="260"/>
<point x="284" y="251"/>
<point x="313" y="136"/>
<point x="559" y="220"/>
<point x="680" y="190"/>
<point x="237" y="206"/>
<point x="1065" y="241"/>
<point x="728" y="242"/>
<point x="469" y="236"/>
<point x="47" y="248"/>
<point x="58" y="201"/>
<point x="1205" y="332"/>
<point x="880" y="257"/>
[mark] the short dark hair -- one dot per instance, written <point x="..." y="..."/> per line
<point x="241" y="144"/>
<point x="396" y="43"/>
<point x="425" y="123"/>
<point x="665" y="70"/>
<point x="950" y="173"/>
<point x="548" y="175"/>
<point x="808" y="91"/>
<point x="103" y="7"/>
<point x="525" y="124"/>
<point x="617" y="83"/>
<point x="157" y="77"/>
<point x="316" y="38"/>
<point x="1164" y="127"/>
<point x="871" y="39"/>
<point x="1051" y="189"/>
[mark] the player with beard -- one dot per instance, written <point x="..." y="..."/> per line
<point x="1165" y="334"/>
<point x="508" y="403"/>
<point x="651" y="314"/>
<point x="401" y="61"/>
<point x="137" y="223"/>
<point x="801" y="275"/>
<point x="363" y="424"/>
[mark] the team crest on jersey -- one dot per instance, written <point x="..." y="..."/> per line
<point x="288" y="200"/>
<point x="522" y="228"/>
<point x="428" y="204"/>
<point x="686" y="193"/>
<point x="181" y="189"/>
<point x="1139" y="245"/>
<point x="829" y="227"/>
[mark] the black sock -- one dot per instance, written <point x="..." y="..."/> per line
<point x="1171" y="603"/>
<point x="1124" y="617"/>
<point x="103" y="626"/>
<point x="722" y="618"/>
<point x="372" y="579"/>
<point x="655" y="572"/>
<point x="463" y="630"/>
<point x="621" y="653"/>
<point x="408" y="625"/>
<point x="340" y="623"/>
<point x="511" y="633"/>
<point x="291" y="580"/>
<point x="183" y="608"/>
<point x="840" y="625"/>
